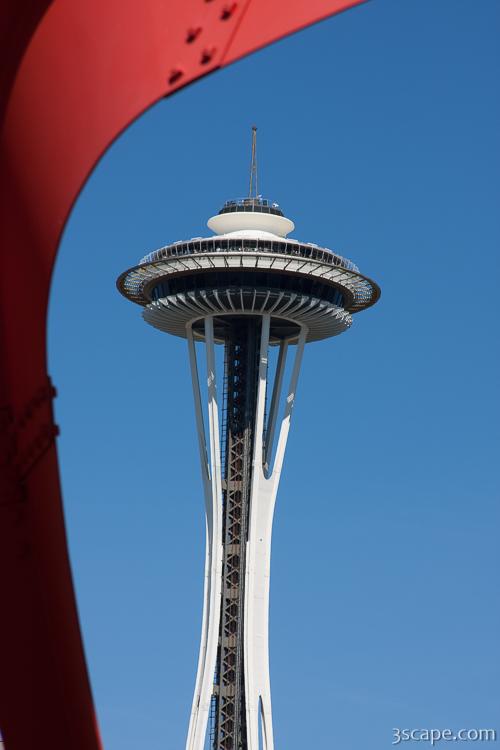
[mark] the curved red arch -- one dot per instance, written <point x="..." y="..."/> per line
<point x="74" y="76"/>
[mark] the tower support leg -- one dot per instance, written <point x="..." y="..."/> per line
<point x="212" y="486"/>
<point x="263" y="497"/>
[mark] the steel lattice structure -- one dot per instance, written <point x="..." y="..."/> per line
<point x="241" y="371"/>
<point x="248" y="288"/>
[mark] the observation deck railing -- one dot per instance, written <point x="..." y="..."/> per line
<point x="282" y="247"/>
<point x="256" y="204"/>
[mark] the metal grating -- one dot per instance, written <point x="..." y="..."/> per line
<point x="228" y="719"/>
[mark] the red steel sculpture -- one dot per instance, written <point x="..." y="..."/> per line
<point x="73" y="76"/>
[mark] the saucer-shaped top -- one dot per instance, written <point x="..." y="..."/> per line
<point x="258" y="214"/>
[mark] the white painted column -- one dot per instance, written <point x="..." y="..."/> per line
<point x="212" y="484"/>
<point x="262" y="502"/>
<point x="275" y="403"/>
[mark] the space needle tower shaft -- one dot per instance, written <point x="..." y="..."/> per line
<point x="248" y="288"/>
<point x="233" y="673"/>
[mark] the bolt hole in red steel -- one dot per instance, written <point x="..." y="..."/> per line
<point x="207" y="55"/>
<point x="193" y="34"/>
<point x="175" y="75"/>
<point x="228" y="11"/>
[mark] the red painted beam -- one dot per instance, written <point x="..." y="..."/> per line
<point x="74" y="75"/>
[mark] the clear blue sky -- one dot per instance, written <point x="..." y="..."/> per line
<point x="378" y="134"/>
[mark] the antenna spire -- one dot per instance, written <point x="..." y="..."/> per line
<point x="253" y="168"/>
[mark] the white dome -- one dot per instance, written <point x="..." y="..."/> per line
<point x="238" y="221"/>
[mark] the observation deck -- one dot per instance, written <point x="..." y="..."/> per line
<point x="250" y="267"/>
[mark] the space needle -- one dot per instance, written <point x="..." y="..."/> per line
<point x="247" y="288"/>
